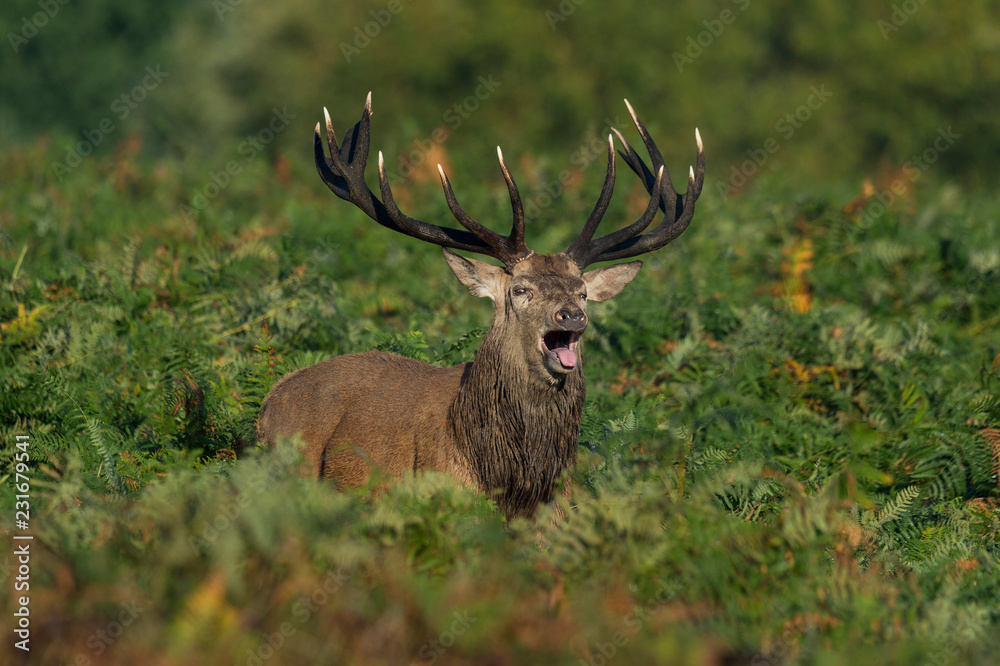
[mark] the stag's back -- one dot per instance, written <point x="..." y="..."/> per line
<point x="367" y="409"/>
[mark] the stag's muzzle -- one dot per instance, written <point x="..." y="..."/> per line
<point x="560" y="346"/>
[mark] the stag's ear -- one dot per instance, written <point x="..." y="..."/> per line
<point x="608" y="282"/>
<point x="481" y="278"/>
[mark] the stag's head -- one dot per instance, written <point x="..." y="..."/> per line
<point x="540" y="305"/>
<point x="539" y="300"/>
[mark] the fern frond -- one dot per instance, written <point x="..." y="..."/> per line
<point x="262" y="374"/>
<point x="626" y="423"/>
<point x="898" y="506"/>
<point x="129" y="263"/>
<point x="992" y="437"/>
<point x="458" y="351"/>
<point x="254" y="248"/>
<point x="108" y="468"/>
<point x="412" y="345"/>
<point x="890" y="253"/>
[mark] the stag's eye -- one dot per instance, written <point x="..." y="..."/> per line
<point x="522" y="291"/>
<point x="583" y="297"/>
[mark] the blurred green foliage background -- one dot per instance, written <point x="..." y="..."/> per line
<point x="896" y="73"/>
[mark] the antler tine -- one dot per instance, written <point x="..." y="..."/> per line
<point x="634" y="161"/>
<point x="336" y="182"/>
<point x="486" y="235"/>
<point x="331" y="135"/>
<point x="517" y="226"/>
<point x="665" y="232"/>
<point x="590" y="253"/>
<point x="344" y="173"/>
<point x="699" y="179"/>
<point x="360" y="137"/>
<point x="403" y="222"/>
<point x="678" y="210"/>
<point x="668" y="196"/>
<point x="584" y="240"/>
<point x="668" y="201"/>
<point x="509" y="249"/>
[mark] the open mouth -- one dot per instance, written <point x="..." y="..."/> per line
<point x="560" y="346"/>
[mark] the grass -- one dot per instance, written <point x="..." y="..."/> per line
<point x="790" y="450"/>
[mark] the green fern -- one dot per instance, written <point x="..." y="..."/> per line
<point x="627" y="423"/>
<point x="262" y="372"/>
<point x="108" y="469"/>
<point x="463" y="348"/>
<point x="412" y="345"/>
<point x="896" y="508"/>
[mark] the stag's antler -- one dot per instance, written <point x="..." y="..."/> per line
<point x="344" y="173"/>
<point x="630" y="241"/>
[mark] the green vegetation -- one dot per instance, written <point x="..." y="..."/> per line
<point x="790" y="450"/>
<point x="791" y="447"/>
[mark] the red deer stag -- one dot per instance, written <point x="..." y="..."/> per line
<point x="508" y="422"/>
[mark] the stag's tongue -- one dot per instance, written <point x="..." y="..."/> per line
<point x="566" y="356"/>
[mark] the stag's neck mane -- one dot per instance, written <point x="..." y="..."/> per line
<point x="516" y="430"/>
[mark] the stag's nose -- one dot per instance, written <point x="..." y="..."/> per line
<point x="571" y="319"/>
